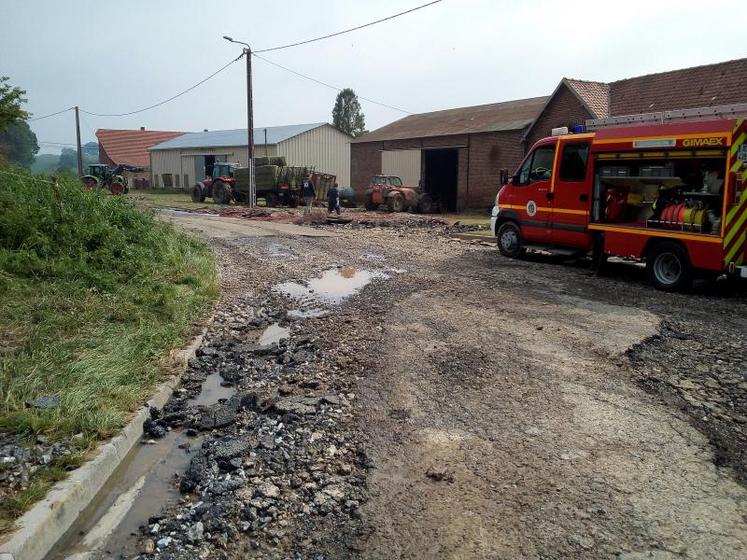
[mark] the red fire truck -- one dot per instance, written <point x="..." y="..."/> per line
<point x="672" y="194"/>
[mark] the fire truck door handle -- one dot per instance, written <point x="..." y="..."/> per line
<point x="550" y="195"/>
<point x="583" y="197"/>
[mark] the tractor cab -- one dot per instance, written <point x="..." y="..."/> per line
<point x="223" y="169"/>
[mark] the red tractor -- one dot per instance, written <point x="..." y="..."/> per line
<point x="219" y="186"/>
<point x="389" y="190"/>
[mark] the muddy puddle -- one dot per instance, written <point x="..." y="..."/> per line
<point x="273" y="335"/>
<point x="145" y="483"/>
<point x="331" y="288"/>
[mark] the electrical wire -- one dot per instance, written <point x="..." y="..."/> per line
<point x="54" y="143"/>
<point x="299" y="74"/>
<point x="165" y="100"/>
<point x="51" y="114"/>
<point x="307" y="41"/>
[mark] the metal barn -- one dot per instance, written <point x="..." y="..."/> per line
<point x="185" y="160"/>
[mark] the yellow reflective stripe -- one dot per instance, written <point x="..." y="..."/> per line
<point x="740" y="140"/>
<point x="655" y="233"/>
<point x="736" y="166"/>
<point x="734" y="228"/>
<point x="545" y="209"/>
<point x="734" y="209"/>
<point x="736" y="127"/>
<point x="737" y="247"/>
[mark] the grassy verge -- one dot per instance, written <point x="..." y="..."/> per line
<point x="95" y="293"/>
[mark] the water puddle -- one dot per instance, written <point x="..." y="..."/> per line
<point x="331" y="288"/>
<point x="213" y="392"/>
<point x="273" y="335"/>
<point x="306" y="313"/>
<point x="280" y="250"/>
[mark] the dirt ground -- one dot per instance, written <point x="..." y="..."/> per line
<point x="487" y="408"/>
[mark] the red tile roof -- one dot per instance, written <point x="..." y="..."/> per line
<point x="130" y="147"/>
<point x="596" y="95"/>
<point x="699" y="86"/>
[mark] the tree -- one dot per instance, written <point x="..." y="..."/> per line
<point x="347" y="115"/>
<point x="68" y="160"/>
<point x="11" y="99"/>
<point x="18" y="143"/>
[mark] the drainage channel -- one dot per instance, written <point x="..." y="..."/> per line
<point x="141" y="486"/>
<point x="144" y="484"/>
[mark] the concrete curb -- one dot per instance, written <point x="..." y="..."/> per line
<point x="47" y="521"/>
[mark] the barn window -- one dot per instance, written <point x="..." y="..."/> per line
<point x="167" y="180"/>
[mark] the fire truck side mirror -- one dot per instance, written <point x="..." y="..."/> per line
<point x="504" y="177"/>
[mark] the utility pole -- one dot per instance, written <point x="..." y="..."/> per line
<point x="250" y="128"/>
<point x="249" y="121"/>
<point x="77" y="136"/>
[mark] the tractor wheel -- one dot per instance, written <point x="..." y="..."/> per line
<point x="221" y="193"/>
<point x="396" y="203"/>
<point x="509" y="239"/>
<point x="117" y="188"/>
<point x="425" y="204"/>
<point x="271" y="200"/>
<point x="198" y="194"/>
<point x="668" y="267"/>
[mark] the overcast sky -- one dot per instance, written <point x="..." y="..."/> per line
<point x="119" y="56"/>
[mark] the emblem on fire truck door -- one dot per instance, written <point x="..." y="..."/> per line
<point x="531" y="208"/>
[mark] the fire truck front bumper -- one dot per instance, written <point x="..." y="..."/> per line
<point x="494" y="218"/>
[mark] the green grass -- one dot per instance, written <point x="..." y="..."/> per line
<point x="167" y="199"/>
<point x="95" y="294"/>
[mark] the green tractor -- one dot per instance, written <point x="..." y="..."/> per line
<point x="101" y="175"/>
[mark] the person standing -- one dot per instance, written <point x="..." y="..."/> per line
<point x="308" y="194"/>
<point x="333" y="200"/>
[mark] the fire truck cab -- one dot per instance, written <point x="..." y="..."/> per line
<point x="671" y="194"/>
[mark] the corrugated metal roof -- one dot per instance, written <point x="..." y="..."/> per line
<point x="494" y="117"/>
<point x="235" y="137"/>
<point x="130" y="147"/>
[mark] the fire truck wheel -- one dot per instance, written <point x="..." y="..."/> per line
<point x="221" y="193"/>
<point x="668" y="267"/>
<point x="396" y="203"/>
<point x="509" y="240"/>
<point x="198" y="194"/>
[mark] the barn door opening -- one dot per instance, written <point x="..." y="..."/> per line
<point x="441" y="175"/>
<point x="209" y="164"/>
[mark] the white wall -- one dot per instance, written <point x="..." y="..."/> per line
<point x="405" y="163"/>
<point x="325" y="148"/>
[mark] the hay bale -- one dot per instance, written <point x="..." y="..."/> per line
<point x="261" y="161"/>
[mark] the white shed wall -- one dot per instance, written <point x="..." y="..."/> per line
<point x="325" y="148"/>
<point x="405" y="163"/>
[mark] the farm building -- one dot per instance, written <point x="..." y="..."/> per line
<point x="458" y="153"/>
<point x="130" y="147"/>
<point x="183" y="161"/>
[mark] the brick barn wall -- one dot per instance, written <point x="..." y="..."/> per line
<point x="365" y="162"/>
<point x="481" y="157"/>
<point x="564" y="109"/>
<point x="488" y="154"/>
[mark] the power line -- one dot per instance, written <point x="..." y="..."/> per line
<point x="165" y="100"/>
<point x="307" y="41"/>
<point x="52" y="114"/>
<point x="55" y="143"/>
<point x="329" y="85"/>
